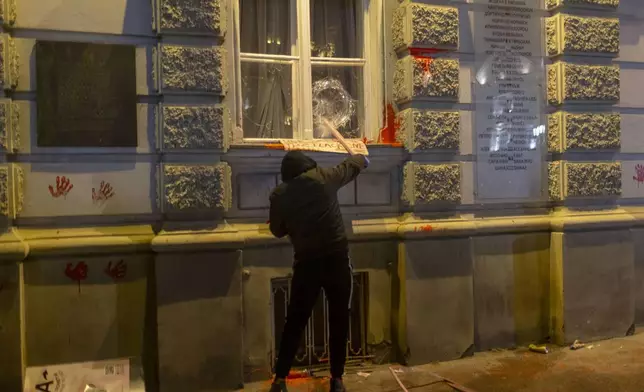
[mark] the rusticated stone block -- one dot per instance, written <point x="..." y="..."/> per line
<point x="19" y="188"/>
<point x="592" y="131"/>
<point x="593" y="179"/>
<point x="196" y="127"/>
<point x="198" y="187"/>
<point x="9" y="120"/>
<point x="8" y="12"/>
<point x="555" y="179"/>
<point x="428" y="183"/>
<point x="9" y="61"/>
<point x="428" y="130"/>
<point x="5" y="190"/>
<point x="554" y="133"/>
<point x="411" y="81"/>
<point x="193" y="16"/>
<point x="193" y="69"/>
<point x="552" y="47"/>
<point x="577" y="83"/>
<point x="571" y="34"/>
<point x="425" y="26"/>
<point x="606" y="4"/>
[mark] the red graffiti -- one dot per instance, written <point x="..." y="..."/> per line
<point x="639" y="174"/>
<point x="116" y="271"/>
<point x="424" y="228"/>
<point x="63" y="187"/>
<point x="77" y="273"/>
<point x="104" y="193"/>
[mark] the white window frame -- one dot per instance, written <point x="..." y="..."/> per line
<point x="369" y="30"/>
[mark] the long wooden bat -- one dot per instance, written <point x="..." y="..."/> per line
<point x="339" y="137"/>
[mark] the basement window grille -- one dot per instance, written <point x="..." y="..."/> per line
<point x="314" y="345"/>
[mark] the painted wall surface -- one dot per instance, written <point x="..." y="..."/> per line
<point x="88" y="189"/>
<point x="85" y="308"/>
<point x="131" y="17"/>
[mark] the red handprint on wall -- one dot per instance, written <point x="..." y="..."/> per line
<point x="118" y="271"/>
<point x="77" y="273"/>
<point x="639" y="174"/>
<point x="105" y="192"/>
<point x="63" y="186"/>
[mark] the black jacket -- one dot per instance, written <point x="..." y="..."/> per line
<point x="305" y="206"/>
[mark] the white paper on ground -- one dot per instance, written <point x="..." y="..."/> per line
<point x="324" y="145"/>
<point x="98" y="376"/>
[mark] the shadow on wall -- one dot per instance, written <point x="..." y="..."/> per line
<point x="88" y="16"/>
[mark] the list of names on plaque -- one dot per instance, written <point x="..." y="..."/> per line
<point x="508" y="99"/>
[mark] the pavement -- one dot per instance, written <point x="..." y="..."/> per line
<point x="611" y="365"/>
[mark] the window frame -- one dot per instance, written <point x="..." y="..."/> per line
<point x="369" y="33"/>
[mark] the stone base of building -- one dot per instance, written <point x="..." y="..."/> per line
<point x="195" y="307"/>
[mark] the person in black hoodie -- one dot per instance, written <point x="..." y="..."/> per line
<point x="305" y="207"/>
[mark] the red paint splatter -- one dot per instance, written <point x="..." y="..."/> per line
<point x="392" y="124"/>
<point x="639" y="174"/>
<point x="424" y="228"/>
<point x="77" y="273"/>
<point x="116" y="271"/>
<point x="63" y="187"/>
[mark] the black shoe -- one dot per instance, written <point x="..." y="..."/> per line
<point x="337" y="385"/>
<point x="279" y="387"/>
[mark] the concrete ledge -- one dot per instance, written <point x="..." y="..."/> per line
<point x="74" y="241"/>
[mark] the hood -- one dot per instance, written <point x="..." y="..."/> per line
<point x="296" y="163"/>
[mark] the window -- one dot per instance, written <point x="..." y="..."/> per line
<point x="286" y="46"/>
<point x="86" y="95"/>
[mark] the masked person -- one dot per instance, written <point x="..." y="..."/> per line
<point x="305" y="207"/>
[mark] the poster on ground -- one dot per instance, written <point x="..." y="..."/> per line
<point x="100" y="376"/>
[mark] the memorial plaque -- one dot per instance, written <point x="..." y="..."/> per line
<point x="86" y="95"/>
<point x="508" y="90"/>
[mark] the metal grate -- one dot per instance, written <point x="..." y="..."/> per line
<point x="314" y="346"/>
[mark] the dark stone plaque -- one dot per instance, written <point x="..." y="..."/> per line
<point x="86" y="95"/>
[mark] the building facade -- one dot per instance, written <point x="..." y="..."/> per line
<point x="140" y="143"/>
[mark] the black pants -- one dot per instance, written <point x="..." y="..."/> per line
<point x="334" y="274"/>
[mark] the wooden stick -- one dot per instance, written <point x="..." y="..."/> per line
<point x="393" y="373"/>
<point x="451" y="383"/>
<point x="339" y="137"/>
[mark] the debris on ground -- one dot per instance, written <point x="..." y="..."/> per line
<point x="576" y="345"/>
<point x="295" y="374"/>
<point x="538" y="349"/>
<point x="451" y="383"/>
<point x="363" y="374"/>
<point x="393" y="373"/>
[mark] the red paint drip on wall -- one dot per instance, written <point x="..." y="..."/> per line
<point x="392" y="124"/>
<point x="78" y="273"/>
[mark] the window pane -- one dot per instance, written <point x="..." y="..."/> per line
<point x="265" y="26"/>
<point x="267" y="100"/>
<point x="351" y="79"/>
<point x="334" y="28"/>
